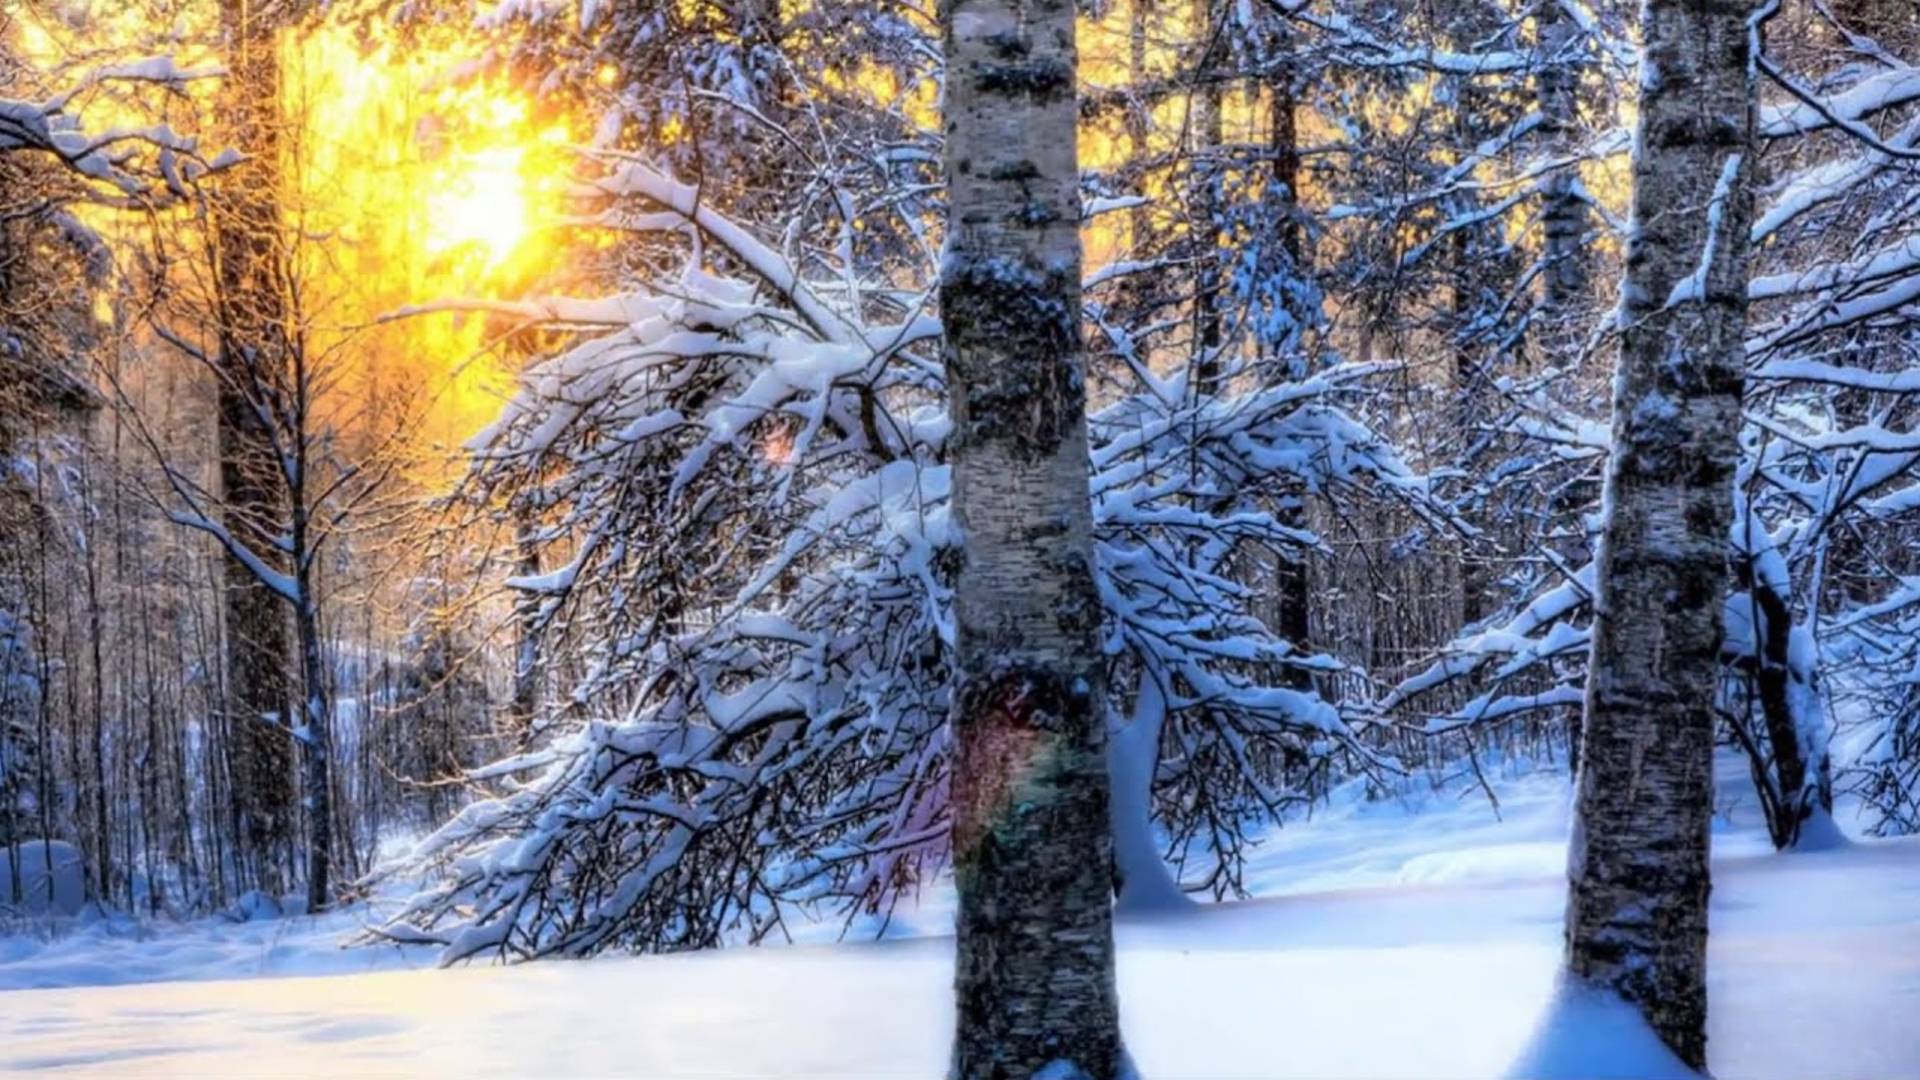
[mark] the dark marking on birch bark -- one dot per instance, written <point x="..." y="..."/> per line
<point x="1041" y="80"/>
<point x="1013" y="317"/>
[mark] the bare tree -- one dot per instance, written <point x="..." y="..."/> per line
<point x="313" y="498"/>
<point x="250" y="304"/>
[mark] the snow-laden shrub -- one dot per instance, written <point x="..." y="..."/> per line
<point x="737" y="474"/>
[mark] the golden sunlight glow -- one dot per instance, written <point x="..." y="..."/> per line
<point x="413" y="174"/>
<point x="486" y="206"/>
<point x="433" y="181"/>
<point x="446" y="177"/>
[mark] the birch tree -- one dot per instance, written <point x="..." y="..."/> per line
<point x="1034" y="978"/>
<point x="1637" y="906"/>
<point x="1822" y="527"/>
<point x="1563" y="210"/>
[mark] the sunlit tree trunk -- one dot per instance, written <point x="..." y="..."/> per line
<point x="251" y="325"/>
<point x="1034" y="977"/>
<point x="1208" y="158"/>
<point x="316" y="711"/>
<point x="1637" y="906"/>
<point x="1139" y="115"/>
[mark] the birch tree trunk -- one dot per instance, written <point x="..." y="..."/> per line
<point x="1034" y="977"/>
<point x="1637" y="904"/>
<point x="251" y="322"/>
<point x="1563" y="214"/>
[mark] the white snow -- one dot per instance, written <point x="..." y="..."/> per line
<point x="1592" y="1035"/>
<point x="107" y="950"/>
<point x="1882" y="90"/>
<point x="1405" y="937"/>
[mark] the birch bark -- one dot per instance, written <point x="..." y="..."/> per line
<point x="1637" y="904"/>
<point x="1034" y="977"/>
<point x="1563" y="214"/>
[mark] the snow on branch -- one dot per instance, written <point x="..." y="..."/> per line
<point x="741" y="474"/>
<point x="130" y="159"/>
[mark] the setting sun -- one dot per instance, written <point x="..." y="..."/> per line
<point x="431" y="181"/>
<point x="486" y="207"/>
<point x="441" y="174"/>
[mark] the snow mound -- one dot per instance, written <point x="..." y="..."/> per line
<point x="1493" y="863"/>
<point x="1820" y="833"/>
<point x="1589" y="1033"/>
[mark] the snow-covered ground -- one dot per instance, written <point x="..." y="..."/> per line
<point x="1390" y="939"/>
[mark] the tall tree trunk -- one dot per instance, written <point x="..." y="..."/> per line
<point x="1481" y="276"/>
<point x="251" y="317"/>
<point x="1637" y="905"/>
<point x="100" y="851"/>
<point x="1138" y="124"/>
<point x="1208" y="161"/>
<point x="1561" y="322"/>
<point x="1292" y="586"/>
<point x="1563" y="213"/>
<point x="316" y="703"/>
<point x="1034" y="977"/>
<point x="316" y="752"/>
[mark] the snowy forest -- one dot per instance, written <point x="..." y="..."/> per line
<point x="1016" y="538"/>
